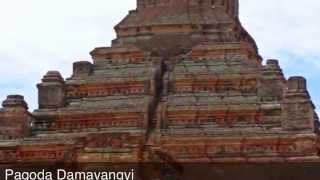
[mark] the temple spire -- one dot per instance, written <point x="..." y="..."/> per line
<point x="231" y="6"/>
<point x="176" y="26"/>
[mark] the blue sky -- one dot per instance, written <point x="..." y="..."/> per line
<point x="41" y="35"/>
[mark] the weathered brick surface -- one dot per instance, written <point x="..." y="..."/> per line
<point x="15" y="120"/>
<point x="183" y="81"/>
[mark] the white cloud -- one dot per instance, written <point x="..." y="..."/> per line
<point x="287" y="30"/>
<point x="42" y="35"/>
<point x="286" y="25"/>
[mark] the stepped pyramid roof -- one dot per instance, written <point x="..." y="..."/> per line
<point x="183" y="81"/>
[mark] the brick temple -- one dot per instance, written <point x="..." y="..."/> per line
<point x="183" y="81"/>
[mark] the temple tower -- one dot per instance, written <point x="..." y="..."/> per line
<point x="15" y="120"/>
<point x="230" y="6"/>
<point x="183" y="81"/>
<point x="170" y="27"/>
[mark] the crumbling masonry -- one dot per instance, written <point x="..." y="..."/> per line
<point x="183" y="81"/>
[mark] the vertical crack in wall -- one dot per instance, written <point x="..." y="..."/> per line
<point x="157" y="84"/>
